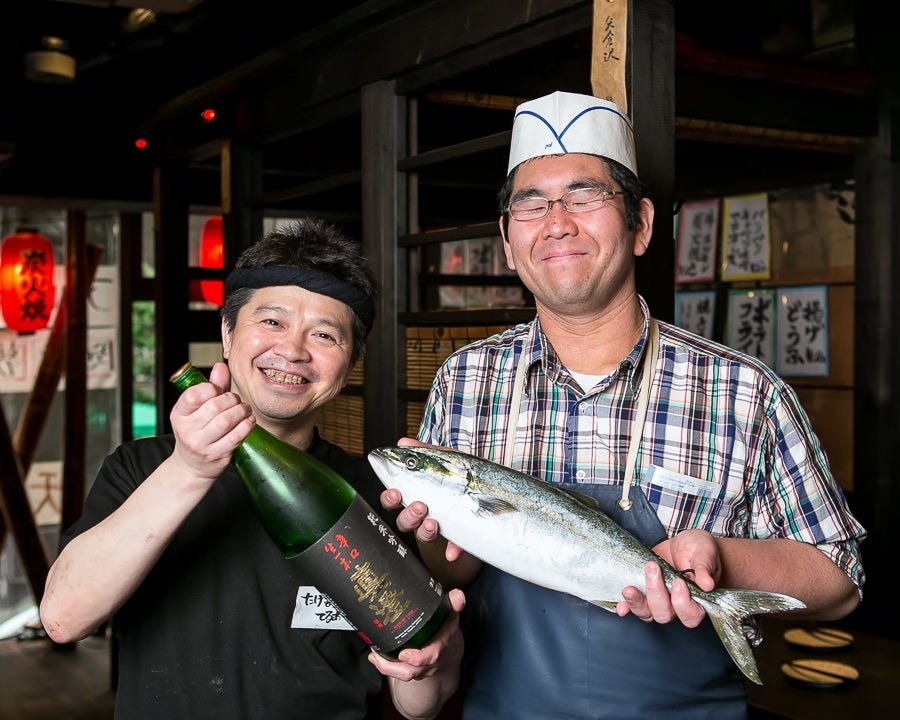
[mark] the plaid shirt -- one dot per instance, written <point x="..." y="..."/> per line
<point x="754" y="467"/>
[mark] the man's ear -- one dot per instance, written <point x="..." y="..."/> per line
<point x="226" y="340"/>
<point x="510" y="263"/>
<point x="644" y="229"/>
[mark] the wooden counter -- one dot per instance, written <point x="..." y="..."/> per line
<point x="874" y="696"/>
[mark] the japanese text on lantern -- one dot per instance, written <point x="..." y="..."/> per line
<point x="26" y="265"/>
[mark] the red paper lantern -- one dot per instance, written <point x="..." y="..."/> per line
<point x="26" y="281"/>
<point x="212" y="255"/>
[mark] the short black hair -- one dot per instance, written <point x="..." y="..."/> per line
<point x="307" y="243"/>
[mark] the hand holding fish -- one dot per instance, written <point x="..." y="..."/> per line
<point x="695" y="550"/>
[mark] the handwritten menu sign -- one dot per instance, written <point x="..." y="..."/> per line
<point x="745" y="237"/>
<point x="803" y="331"/>
<point x="695" y="311"/>
<point x="751" y="323"/>
<point x="698" y="225"/>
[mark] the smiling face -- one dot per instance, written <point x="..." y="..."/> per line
<point x="574" y="263"/>
<point x="289" y="353"/>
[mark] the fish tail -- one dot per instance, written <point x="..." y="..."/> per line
<point x="729" y="609"/>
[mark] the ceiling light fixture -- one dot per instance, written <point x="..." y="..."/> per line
<point x="52" y="64"/>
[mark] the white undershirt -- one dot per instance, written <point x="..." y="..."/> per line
<point x="586" y="381"/>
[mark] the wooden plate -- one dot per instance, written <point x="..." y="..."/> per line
<point x="822" y="639"/>
<point x="818" y="673"/>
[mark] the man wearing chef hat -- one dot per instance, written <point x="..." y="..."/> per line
<point x="700" y="451"/>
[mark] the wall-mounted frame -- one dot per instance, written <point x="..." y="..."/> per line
<point x="751" y="323"/>
<point x="803" y="331"/>
<point x="746" y="252"/>
<point x="695" y="311"/>
<point x="698" y="228"/>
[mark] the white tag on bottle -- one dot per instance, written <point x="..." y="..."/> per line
<point x="314" y="610"/>
<point x="678" y="482"/>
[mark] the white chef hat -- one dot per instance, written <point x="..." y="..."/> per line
<point x="565" y="122"/>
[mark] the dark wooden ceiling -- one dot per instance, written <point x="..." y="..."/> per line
<point x="75" y="139"/>
<point x="760" y="66"/>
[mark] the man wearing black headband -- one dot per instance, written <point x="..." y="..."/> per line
<point x="211" y="620"/>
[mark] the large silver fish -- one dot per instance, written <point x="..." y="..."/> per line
<point x="553" y="538"/>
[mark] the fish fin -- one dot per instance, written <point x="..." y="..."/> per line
<point x="609" y="605"/>
<point x="581" y="497"/>
<point x="488" y="505"/>
<point x="728" y="608"/>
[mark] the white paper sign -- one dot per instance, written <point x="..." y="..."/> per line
<point x="698" y="225"/>
<point x="803" y="331"/>
<point x="19" y="358"/>
<point x="751" y="323"/>
<point x="102" y="358"/>
<point x="103" y="300"/>
<point x="695" y="311"/>
<point x="745" y="237"/>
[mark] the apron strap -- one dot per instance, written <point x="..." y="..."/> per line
<point x="640" y="415"/>
<point x="513" y="425"/>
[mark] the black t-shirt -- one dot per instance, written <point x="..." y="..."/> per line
<point x="208" y="633"/>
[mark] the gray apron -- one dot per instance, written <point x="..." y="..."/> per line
<point x="537" y="653"/>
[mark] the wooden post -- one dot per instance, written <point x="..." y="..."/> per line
<point x="384" y="217"/>
<point x="17" y="510"/>
<point x="75" y="408"/>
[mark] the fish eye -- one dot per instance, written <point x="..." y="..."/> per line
<point x="412" y="463"/>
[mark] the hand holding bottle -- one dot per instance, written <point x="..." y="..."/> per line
<point x="209" y="422"/>
<point x="318" y="519"/>
<point x="422" y="680"/>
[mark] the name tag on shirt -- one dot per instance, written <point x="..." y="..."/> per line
<point x="684" y="484"/>
<point x="314" y="610"/>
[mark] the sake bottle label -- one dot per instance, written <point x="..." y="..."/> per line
<point x="376" y="581"/>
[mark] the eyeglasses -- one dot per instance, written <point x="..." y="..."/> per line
<point x="575" y="201"/>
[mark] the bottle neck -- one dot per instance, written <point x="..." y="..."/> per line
<point x="299" y="433"/>
<point x="300" y="437"/>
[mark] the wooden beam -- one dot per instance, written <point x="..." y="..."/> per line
<point x="482" y="101"/>
<point x="452" y="152"/>
<point x="130" y="262"/>
<point x="464" y="232"/>
<point x="850" y="81"/>
<point x="652" y="90"/>
<point x="383" y="217"/>
<point x="75" y="406"/>
<point x="17" y="512"/>
<point x="714" y="131"/>
<point x="170" y="293"/>
<point x="876" y="499"/>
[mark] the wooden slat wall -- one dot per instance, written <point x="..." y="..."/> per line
<point x="426" y="349"/>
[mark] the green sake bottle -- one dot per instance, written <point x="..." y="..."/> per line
<point x="318" y="519"/>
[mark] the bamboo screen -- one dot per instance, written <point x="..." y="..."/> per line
<point x="426" y="348"/>
<point x="341" y="421"/>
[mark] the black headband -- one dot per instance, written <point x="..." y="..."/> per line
<point x="316" y="281"/>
